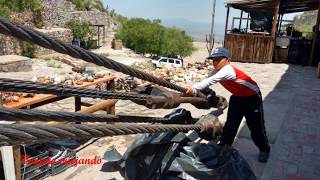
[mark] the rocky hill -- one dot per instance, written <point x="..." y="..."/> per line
<point x="51" y="20"/>
<point x="306" y="21"/>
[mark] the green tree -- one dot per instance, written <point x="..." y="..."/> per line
<point x="80" y="30"/>
<point x="7" y="7"/>
<point x="4" y="9"/>
<point x="87" y="5"/>
<point x="146" y="36"/>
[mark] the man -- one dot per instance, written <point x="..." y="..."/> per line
<point x="246" y="101"/>
<point x="317" y="45"/>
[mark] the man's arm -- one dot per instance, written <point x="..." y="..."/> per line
<point x="226" y="73"/>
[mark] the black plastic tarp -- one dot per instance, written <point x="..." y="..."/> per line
<point x="174" y="156"/>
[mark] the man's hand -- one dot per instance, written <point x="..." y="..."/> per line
<point x="189" y="91"/>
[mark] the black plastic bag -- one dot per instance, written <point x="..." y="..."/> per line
<point x="174" y="156"/>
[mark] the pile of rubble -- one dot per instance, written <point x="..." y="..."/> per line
<point x="127" y="83"/>
<point x="190" y="74"/>
<point x="70" y="79"/>
<point x="8" y="97"/>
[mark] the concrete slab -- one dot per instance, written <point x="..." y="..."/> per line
<point x="15" y="63"/>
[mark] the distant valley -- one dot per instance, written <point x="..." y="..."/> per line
<point x="197" y="30"/>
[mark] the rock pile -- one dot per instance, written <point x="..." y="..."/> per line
<point x="70" y="79"/>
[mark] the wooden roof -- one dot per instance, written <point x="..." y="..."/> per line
<point x="286" y="6"/>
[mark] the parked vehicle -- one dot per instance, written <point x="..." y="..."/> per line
<point x="166" y="62"/>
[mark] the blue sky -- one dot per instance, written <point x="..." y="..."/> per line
<point x="193" y="11"/>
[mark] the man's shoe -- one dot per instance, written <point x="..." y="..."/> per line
<point x="263" y="157"/>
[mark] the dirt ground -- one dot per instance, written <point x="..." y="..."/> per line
<point x="267" y="76"/>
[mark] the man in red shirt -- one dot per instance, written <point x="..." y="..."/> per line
<point x="246" y="101"/>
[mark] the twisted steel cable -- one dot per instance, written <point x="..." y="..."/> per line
<point x="32" y="87"/>
<point x="45" y="116"/>
<point x="30" y="35"/>
<point x="15" y="134"/>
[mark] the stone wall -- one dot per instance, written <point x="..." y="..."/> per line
<point x="62" y="34"/>
<point x="11" y="45"/>
<point x="58" y="12"/>
<point x="23" y="18"/>
<point x="55" y="12"/>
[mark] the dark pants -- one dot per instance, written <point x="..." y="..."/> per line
<point x="250" y="108"/>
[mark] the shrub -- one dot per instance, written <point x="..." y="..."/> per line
<point x="80" y="30"/>
<point x="28" y="50"/>
<point x="150" y="37"/>
<point x="54" y="64"/>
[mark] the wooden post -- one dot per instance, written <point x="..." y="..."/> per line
<point x="232" y="24"/>
<point x="280" y="23"/>
<point x="112" y="109"/>
<point x="8" y="163"/>
<point x="212" y="24"/>
<point x="240" y="19"/>
<point x="77" y="103"/>
<point x="275" y="17"/>
<point x="226" y="26"/>
<point x="315" y="37"/>
<point x="17" y="161"/>
<point x="247" y="23"/>
<point x="273" y="30"/>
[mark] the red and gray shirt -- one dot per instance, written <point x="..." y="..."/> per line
<point x="231" y="78"/>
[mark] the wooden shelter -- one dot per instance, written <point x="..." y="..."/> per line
<point x="259" y="47"/>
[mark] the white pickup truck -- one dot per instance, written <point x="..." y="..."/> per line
<point x="167" y="62"/>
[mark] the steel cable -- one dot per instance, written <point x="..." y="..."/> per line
<point x="15" y="134"/>
<point x="45" y="116"/>
<point x="30" y="35"/>
<point x="33" y="87"/>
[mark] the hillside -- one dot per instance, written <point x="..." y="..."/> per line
<point x="305" y="21"/>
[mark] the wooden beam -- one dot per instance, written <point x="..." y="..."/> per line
<point x="77" y="103"/>
<point x="100" y="106"/>
<point x="247" y="23"/>
<point x="86" y="104"/>
<point x="268" y="6"/>
<point x="311" y="59"/>
<point x="8" y="162"/>
<point x="240" y="20"/>
<point x="226" y="26"/>
<point x="273" y="30"/>
<point x="280" y="23"/>
<point x="275" y="17"/>
<point x="17" y="161"/>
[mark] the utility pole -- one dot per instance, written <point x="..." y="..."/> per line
<point x="210" y="41"/>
